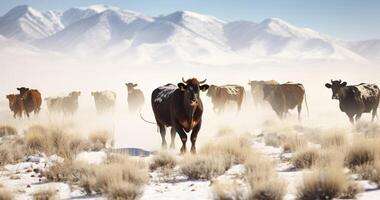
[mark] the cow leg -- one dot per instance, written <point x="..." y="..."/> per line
<point x="193" y="137"/>
<point x="357" y="117"/>
<point x="163" y="134"/>
<point x="299" y="108"/>
<point x="374" y="114"/>
<point x="182" y="135"/>
<point x="351" y="117"/>
<point x="172" y="134"/>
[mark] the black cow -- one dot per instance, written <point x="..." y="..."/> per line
<point x="355" y="100"/>
<point x="180" y="108"/>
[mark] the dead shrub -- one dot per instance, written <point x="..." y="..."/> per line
<point x="203" y="166"/>
<point x="360" y="153"/>
<point x="370" y="171"/>
<point x="262" y="179"/>
<point x="45" y="194"/>
<point x="305" y="158"/>
<point x="325" y="184"/>
<point x="333" y="139"/>
<point x="7" y="130"/>
<point x="294" y="142"/>
<point x="227" y="190"/>
<point x="161" y="160"/>
<point x="5" y="194"/>
<point x="36" y="139"/>
<point x="12" y="151"/>
<point x="99" y="139"/>
<point x="234" y="149"/>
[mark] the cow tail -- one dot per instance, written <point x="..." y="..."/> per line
<point x="146" y="120"/>
<point x="307" y="107"/>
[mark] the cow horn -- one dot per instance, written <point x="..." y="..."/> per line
<point x="183" y="80"/>
<point x="201" y="82"/>
<point x="331" y="80"/>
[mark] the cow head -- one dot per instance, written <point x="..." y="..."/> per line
<point x="130" y="86"/>
<point x="12" y="99"/>
<point x="335" y="87"/>
<point x="191" y="89"/>
<point x="22" y="90"/>
<point x="256" y="85"/>
<point x="212" y="90"/>
<point x="75" y="94"/>
<point x="95" y="94"/>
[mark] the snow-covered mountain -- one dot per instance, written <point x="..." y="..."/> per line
<point x="184" y="35"/>
<point x="25" y="24"/>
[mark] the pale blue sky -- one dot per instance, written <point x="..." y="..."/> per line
<point x="345" y="19"/>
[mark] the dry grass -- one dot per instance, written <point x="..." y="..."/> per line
<point x="7" y="130"/>
<point x="368" y="129"/>
<point x="333" y="139"/>
<point x="12" y="151"/>
<point x="203" y="166"/>
<point x="54" y="140"/>
<point x="273" y="139"/>
<point x="305" y="158"/>
<point x="370" y="171"/>
<point x="325" y="184"/>
<point x="227" y="190"/>
<point x="294" y="142"/>
<point x="361" y="152"/>
<point x="235" y="149"/>
<point x="262" y="179"/>
<point x="45" y="194"/>
<point x="5" y="194"/>
<point x="163" y="160"/>
<point x="100" y="139"/>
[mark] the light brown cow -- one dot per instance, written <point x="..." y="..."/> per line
<point x="135" y="97"/>
<point x="257" y="90"/>
<point x="70" y="103"/>
<point x="220" y="95"/>
<point x="16" y="104"/>
<point x="104" y="101"/>
<point x="285" y="97"/>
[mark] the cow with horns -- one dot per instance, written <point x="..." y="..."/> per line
<point x="179" y="107"/>
<point x="355" y="100"/>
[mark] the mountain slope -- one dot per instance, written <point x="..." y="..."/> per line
<point x="369" y="48"/>
<point x="26" y="24"/>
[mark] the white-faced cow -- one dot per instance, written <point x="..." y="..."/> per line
<point x="179" y="107"/>
<point x="355" y="100"/>
<point x="104" y="101"/>
<point x="135" y="98"/>
<point x="285" y="97"/>
<point x="257" y="90"/>
<point x="221" y="95"/>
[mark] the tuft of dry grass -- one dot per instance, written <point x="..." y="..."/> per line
<point x="7" y="130"/>
<point x="294" y="142"/>
<point x="274" y="140"/>
<point x="5" y="194"/>
<point x="99" y="139"/>
<point x="361" y="152"/>
<point x="264" y="184"/>
<point x="235" y="149"/>
<point x="54" y="140"/>
<point x="326" y="184"/>
<point x="227" y="190"/>
<point x="333" y="139"/>
<point x="368" y="129"/>
<point x="45" y="194"/>
<point x="163" y="159"/>
<point x="305" y="158"/>
<point x="203" y="166"/>
<point x="12" y="151"/>
<point x="370" y="171"/>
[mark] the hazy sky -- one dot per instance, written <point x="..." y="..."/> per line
<point x="345" y="19"/>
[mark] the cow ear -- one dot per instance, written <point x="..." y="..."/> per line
<point x="204" y="87"/>
<point x="18" y="89"/>
<point x="344" y="84"/>
<point x="182" y="86"/>
<point x="328" y="85"/>
<point x="134" y="85"/>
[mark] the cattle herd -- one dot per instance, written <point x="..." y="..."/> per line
<point x="180" y="106"/>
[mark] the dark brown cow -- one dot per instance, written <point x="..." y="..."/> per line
<point x="257" y="90"/>
<point x="135" y="98"/>
<point x="16" y="104"/>
<point x="32" y="100"/>
<point x="355" y="100"/>
<point x="70" y="103"/>
<point x="220" y="95"/>
<point x="285" y="97"/>
<point x="180" y="108"/>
